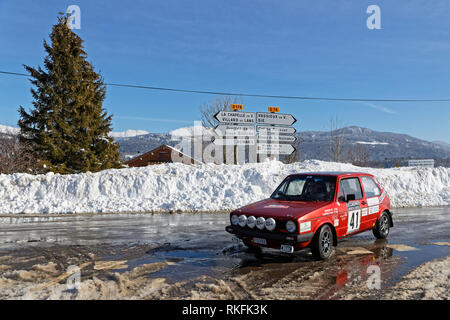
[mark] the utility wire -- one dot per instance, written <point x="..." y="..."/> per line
<point x="253" y="95"/>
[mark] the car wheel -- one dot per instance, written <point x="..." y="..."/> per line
<point x="381" y="229"/>
<point x="322" y="244"/>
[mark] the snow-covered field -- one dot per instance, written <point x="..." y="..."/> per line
<point x="179" y="187"/>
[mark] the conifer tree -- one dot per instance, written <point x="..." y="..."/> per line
<point x="68" y="129"/>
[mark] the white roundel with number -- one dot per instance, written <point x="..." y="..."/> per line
<point x="354" y="220"/>
<point x="354" y="216"/>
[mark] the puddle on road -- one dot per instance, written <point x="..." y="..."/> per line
<point x="414" y="258"/>
<point x="187" y="247"/>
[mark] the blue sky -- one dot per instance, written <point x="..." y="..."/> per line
<point x="303" y="48"/>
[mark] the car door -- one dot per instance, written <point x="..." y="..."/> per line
<point x="372" y="193"/>
<point x="352" y="198"/>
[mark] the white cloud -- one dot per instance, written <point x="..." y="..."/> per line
<point x="380" y="108"/>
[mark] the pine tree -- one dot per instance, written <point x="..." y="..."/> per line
<point x="68" y="129"/>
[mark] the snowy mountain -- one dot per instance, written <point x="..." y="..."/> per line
<point x="442" y="144"/>
<point x="128" y="134"/>
<point x="8" y="130"/>
<point x="311" y="144"/>
<point x="380" y="145"/>
<point x="123" y="134"/>
<point x="315" y="144"/>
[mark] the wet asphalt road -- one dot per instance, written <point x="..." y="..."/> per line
<point x="197" y="245"/>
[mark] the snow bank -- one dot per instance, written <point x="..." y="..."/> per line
<point x="209" y="187"/>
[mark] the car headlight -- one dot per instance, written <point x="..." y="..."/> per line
<point x="270" y="224"/>
<point x="234" y="220"/>
<point x="251" y="222"/>
<point x="242" y="220"/>
<point x="291" y="226"/>
<point x="260" y="223"/>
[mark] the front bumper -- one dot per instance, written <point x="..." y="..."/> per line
<point x="288" y="238"/>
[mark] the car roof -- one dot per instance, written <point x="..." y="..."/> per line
<point x="332" y="173"/>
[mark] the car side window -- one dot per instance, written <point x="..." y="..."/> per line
<point x="370" y="187"/>
<point x="350" y="186"/>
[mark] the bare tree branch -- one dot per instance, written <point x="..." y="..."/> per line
<point x="16" y="156"/>
<point x="208" y="110"/>
<point x="358" y="155"/>
<point x="337" y="140"/>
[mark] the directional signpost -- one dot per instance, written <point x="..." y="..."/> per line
<point x="275" y="118"/>
<point x="232" y="130"/>
<point x="234" y="141"/>
<point x="273" y="134"/>
<point x="265" y="148"/>
<point x="275" y="139"/>
<point x="275" y="130"/>
<point x="235" y="117"/>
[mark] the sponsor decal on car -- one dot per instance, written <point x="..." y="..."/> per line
<point x="305" y="226"/>
<point x="276" y="206"/>
<point x="374" y="209"/>
<point x="373" y="204"/>
<point x="372" y="201"/>
<point x="364" y="212"/>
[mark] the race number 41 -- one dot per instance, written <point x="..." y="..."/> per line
<point x="354" y="220"/>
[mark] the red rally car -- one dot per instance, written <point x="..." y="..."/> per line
<point x="314" y="210"/>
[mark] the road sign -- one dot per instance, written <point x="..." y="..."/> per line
<point x="231" y="130"/>
<point x="268" y="148"/>
<point x="274" y="109"/>
<point x="426" y="163"/>
<point x="276" y="138"/>
<point x="234" y="142"/>
<point x="237" y="107"/>
<point x="275" y="130"/>
<point x="275" y="118"/>
<point x="235" y="117"/>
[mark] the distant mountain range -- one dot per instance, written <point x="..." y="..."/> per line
<point x="315" y="144"/>
<point x="311" y="144"/>
<point x="8" y="130"/>
<point x="380" y="145"/>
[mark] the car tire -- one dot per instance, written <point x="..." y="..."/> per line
<point x="381" y="229"/>
<point x="322" y="244"/>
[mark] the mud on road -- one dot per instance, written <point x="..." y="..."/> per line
<point x="190" y="256"/>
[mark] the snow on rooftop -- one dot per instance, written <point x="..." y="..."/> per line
<point x="206" y="187"/>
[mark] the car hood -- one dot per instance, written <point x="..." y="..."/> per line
<point x="276" y="208"/>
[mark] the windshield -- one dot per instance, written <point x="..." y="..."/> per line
<point x="306" y="188"/>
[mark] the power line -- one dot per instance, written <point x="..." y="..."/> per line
<point x="254" y="95"/>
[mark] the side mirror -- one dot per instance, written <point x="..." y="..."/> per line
<point x="280" y="193"/>
<point x="350" y="197"/>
